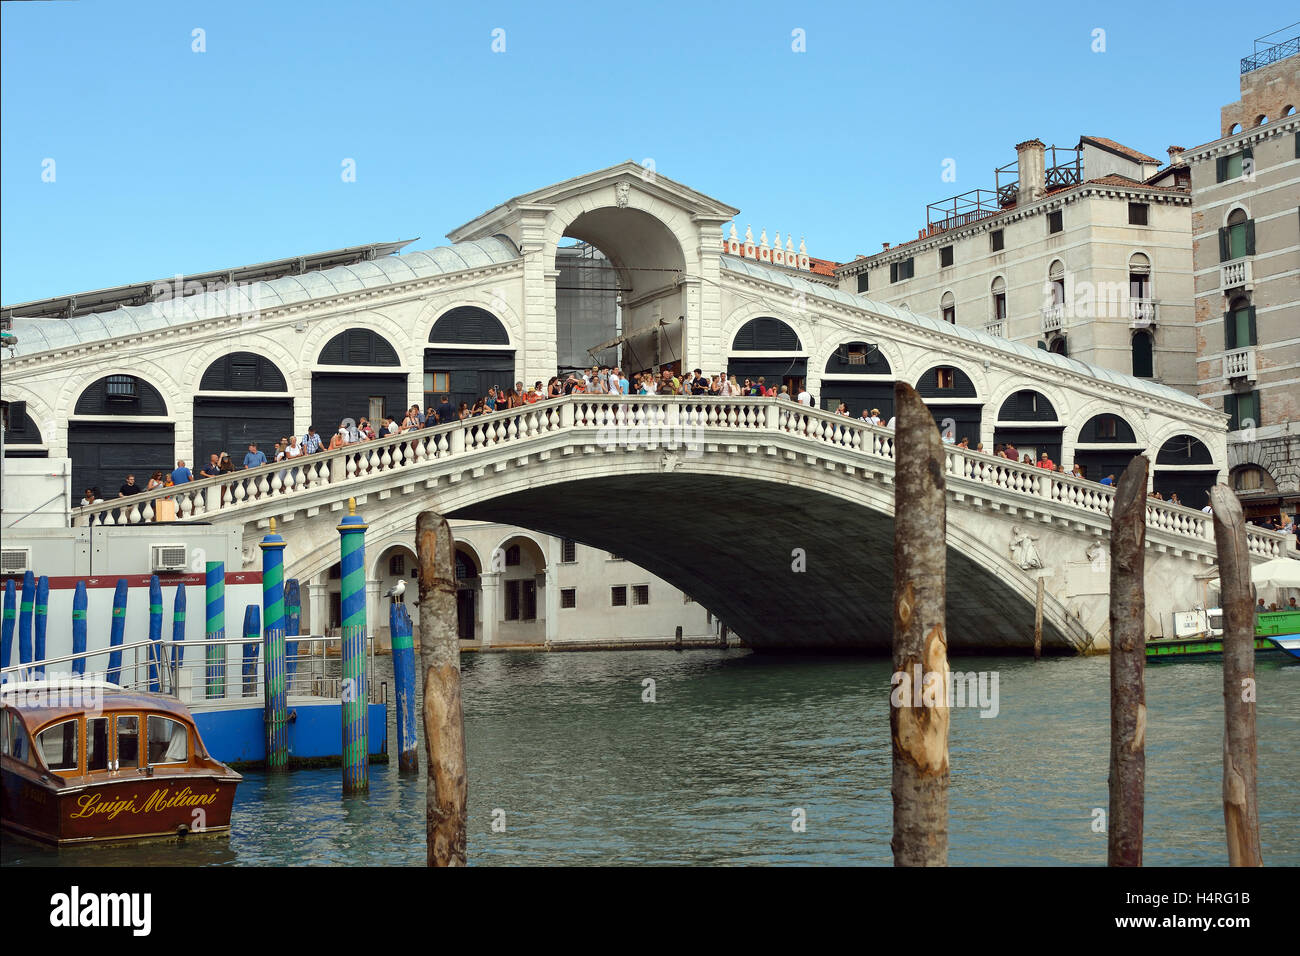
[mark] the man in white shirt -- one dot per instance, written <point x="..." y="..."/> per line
<point x="804" y="397"/>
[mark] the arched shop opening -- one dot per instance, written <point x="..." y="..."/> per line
<point x="619" y="296"/>
<point x="1105" y="446"/>
<point x="228" y="417"/>
<point x="769" y="349"/>
<point x="858" y="374"/>
<point x="467" y="593"/>
<point x="367" y="390"/>
<point x="950" y="395"/>
<point x="120" y="426"/>
<point x="522" y="605"/>
<point x="468" y="353"/>
<point x="23" y="437"/>
<point x="1184" y="466"/>
<point x="1029" y="422"/>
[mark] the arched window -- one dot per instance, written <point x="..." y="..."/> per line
<point x="1261" y="119"/>
<point x="358" y="347"/>
<point x="857" y="358"/>
<point x="1234" y="129"/>
<point x="1288" y="110"/>
<point x="766" y="334"/>
<point x="1107" y="428"/>
<point x="1057" y="345"/>
<point x="1237" y="238"/>
<point x="1143" y="362"/>
<point x="999" y="293"/>
<point x="121" y="395"/>
<point x="1239" y="325"/>
<point x="469" y="325"/>
<point x="1056" y="278"/>
<point x="242" y="372"/>
<point x="948" y="308"/>
<point x="1027" y="405"/>
<point x="19" y="430"/>
<point x="1184" y="450"/>
<point x="1247" y="478"/>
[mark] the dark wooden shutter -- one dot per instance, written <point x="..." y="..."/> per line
<point x="1225" y="250"/>
<point x="1250" y="318"/>
<point x="1230" y="406"/>
<point x="1221" y="169"/>
<point x="1229" y="332"/>
<point x="1250" y="237"/>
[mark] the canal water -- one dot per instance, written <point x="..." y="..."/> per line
<point x="575" y="766"/>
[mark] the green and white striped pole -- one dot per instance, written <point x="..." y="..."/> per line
<point x="215" y="630"/>
<point x="273" y="655"/>
<point x="356" y="750"/>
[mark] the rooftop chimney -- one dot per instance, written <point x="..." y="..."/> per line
<point x="1175" y="156"/>
<point x="885" y="244"/>
<point x="1030" y="169"/>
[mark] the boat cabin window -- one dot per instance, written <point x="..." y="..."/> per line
<point x="16" y="743"/>
<point x="168" y="740"/>
<point x="58" y="745"/>
<point x="128" y="740"/>
<point x="96" y="743"/>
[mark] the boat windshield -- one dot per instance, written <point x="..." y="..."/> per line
<point x="58" y="745"/>
<point x="168" y="740"/>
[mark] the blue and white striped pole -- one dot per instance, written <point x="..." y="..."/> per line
<point x="42" y="621"/>
<point x="252" y="634"/>
<point x="117" y="631"/>
<point x="276" y="712"/>
<point x="79" y="628"/>
<point x="408" y="743"/>
<point x="155" y="630"/>
<point x="356" y="752"/>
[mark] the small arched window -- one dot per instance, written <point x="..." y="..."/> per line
<point x="1143" y="360"/>
<point x="1237" y="238"/>
<point x="1239" y="324"/>
<point x="948" y="308"/>
<point x="1261" y="119"/>
<point x="1056" y="277"/>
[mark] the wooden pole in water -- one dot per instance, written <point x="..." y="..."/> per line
<point x="447" y="788"/>
<point x="1128" y="705"/>
<point x="408" y="736"/>
<point x="919" y="728"/>
<point x="1240" y="762"/>
<point x="1038" y="620"/>
<point x="355" y="702"/>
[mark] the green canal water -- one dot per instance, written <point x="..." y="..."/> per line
<point x="565" y="753"/>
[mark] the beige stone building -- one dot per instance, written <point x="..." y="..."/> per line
<point x="1085" y="251"/>
<point x="1246" y="224"/>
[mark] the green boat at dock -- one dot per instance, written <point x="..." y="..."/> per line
<point x="1277" y="635"/>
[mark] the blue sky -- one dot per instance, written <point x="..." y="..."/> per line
<point x="167" y="160"/>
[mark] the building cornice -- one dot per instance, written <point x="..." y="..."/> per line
<point x="1045" y="205"/>
<point x="1230" y="144"/>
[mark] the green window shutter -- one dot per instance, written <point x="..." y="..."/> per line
<point x="1250" y="318"/>
<point x="1221" y="169"/>
<point x="1250" y="237"/>
<point x="1224" y="253"/>
<point x="1229" y="331"/>
<point x="1230" y="407"/>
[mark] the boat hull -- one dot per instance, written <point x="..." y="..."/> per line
<point x="1202" y="647"/>
<point x="131" y="807"/>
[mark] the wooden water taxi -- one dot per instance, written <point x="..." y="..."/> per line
<point x="87" y="762"/>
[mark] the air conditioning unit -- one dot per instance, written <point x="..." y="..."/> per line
<point x="168" y="557"/>
<point x="15" y="560"/>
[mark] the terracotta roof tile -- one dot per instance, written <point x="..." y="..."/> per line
<point x="822" y="267"/>
<point x="1120" y="148"/>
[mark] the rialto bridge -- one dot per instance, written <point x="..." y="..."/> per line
<point x="775" y="517"/>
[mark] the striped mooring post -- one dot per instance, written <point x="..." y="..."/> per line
<point x="408" y="742"/>
<point x="155" y="630"/>
<point x="276" y="714"/>
<point x="356" y="747"/>
<point x="117" y="631"/>
<point x="79" y="628"/>
<point x="7" y="628"/>
<point x="178" y="633"/>
<point x="25" y="618"/>
<point x="252" y="635"/>
<point x="292" y="625"/>
<point x="42" y="621"/>
<point x="214" y="678"/>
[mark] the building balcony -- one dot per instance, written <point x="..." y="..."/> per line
<point x="1239" y="363"/>
<point x="1235" y="275"/>
<point x="1054" y="318"/>
<point x="995" y="327"/>
<point x="1142" y="313"/>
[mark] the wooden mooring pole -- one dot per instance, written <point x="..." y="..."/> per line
<point x="1038" y="619"/>
<point x="1240" y="760"/>
<point x="447" y="786"/>
<point x="919" y="728"/>
<point x="1128" y="702"/>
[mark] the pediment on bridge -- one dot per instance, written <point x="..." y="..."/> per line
<point x="623" y="178"/>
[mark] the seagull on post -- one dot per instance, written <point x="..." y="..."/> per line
<point x="396" y="592"/>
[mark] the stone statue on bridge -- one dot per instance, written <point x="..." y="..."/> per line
<point x="1023" y="550"/>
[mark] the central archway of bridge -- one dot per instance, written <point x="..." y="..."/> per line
<point x="786" y="566"/>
